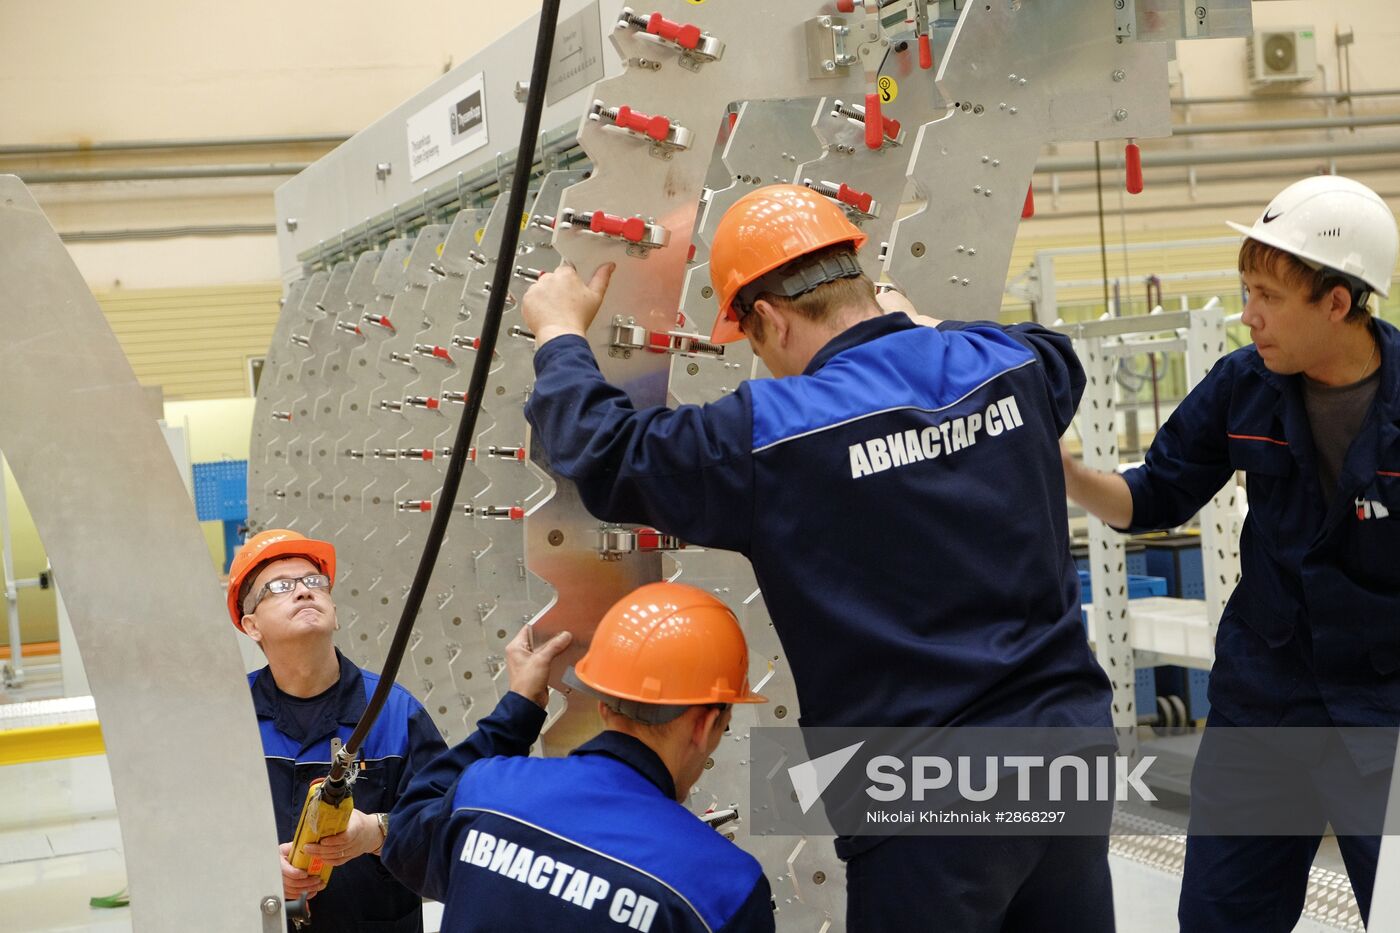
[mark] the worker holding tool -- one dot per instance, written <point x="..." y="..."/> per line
<point x="598" y="840"/>
<point x="1311" y="635"/>
<point x="279" y="595"/>
<point x="898" y="493"/>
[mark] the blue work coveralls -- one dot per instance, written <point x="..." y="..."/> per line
<point x="594" y="841"/>
<point x="903" y="506"/>
<point x="1310" y="636"/>
<point x="361" y="896"/>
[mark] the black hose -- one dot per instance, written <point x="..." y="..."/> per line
<point x="490" y="330"/>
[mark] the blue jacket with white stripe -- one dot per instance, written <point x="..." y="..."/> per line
<point x="1311" y="635"/>
<point x="594" y="841"/>
<point x="361" y="895"/>
<point x="902" y="504"/>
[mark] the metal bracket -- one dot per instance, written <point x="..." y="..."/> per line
<point x="641" y="237"/>
<point x="696" y="47"/>
<point x="857" y="204"/>
<point x="828" y="55"/>
<point x="614" y="543"/>
<point x="665" y="137"/>
<point x="628" y="336"/>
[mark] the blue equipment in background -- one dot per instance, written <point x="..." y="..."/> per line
<point x="221" y="495"/>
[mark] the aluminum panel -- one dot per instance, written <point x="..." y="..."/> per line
<point x="146" y="606"/>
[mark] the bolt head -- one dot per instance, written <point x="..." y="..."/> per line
<point x="1120" y="115"/>
<point x="828" y="65"/>
<point x="270" y="905"/>
<point x="1120" y="75"/>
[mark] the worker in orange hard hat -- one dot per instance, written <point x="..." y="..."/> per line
<point x="507" y="841"/>
<point x="885" y="487"/>
<point x="279" y="595"/>
<point x="783" y="240"/>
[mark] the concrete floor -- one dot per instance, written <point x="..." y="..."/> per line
<point x="60" y="844"/>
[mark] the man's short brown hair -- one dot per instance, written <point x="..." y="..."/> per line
<point x="817" y="304"/>
<point x="1315" y="283"/>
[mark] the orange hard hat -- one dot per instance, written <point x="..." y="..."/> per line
<point x="274" y="544"/>
<point x="765" y="229"/>
<point x="668" y="644"/>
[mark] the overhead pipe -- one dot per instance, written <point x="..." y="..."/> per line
<point x="1283" y="98"/>
<point x="1225" y="156"/>
<point x="1282" y="126"/>
<point x="162" y="174"/>
<point x="1140" y="210"/>
<point x="165" y="233"/>
<point x="159" y="145"/>
<point x="1353" y="171"/>
<point x="288" y="169"/>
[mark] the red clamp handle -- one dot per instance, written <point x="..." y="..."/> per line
<point x="425" y="506"/>
<point x="381" y="320"/>
<point x="1028" y="209"/>
<point x="658" y="128"/>
<point x="649" y="539"/>
<point x="1133" y="163"/>
<point x="442" y="354"/>
<point x="683" y="34"/>
<point x="427" y="454"/>
<point x="925" y="53"/>
<point x="874" y="123"/>
<point x="516" y="513"/>
<point x="432" y="403"/>
<point x="845" y="6"/>
<point x="857" y="199"/>
<point x="632" y="229"/>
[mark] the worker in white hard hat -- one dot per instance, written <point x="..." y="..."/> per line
<point x="1311" y="635"/>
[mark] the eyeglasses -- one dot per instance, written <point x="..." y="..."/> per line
<point x="312" y="581"/>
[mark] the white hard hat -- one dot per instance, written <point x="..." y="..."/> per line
<point x="1331" y="221"/>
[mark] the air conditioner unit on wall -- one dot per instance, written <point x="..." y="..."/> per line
<point x="1282" y="55"/>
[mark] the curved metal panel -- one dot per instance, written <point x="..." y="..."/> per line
<point x="120" y="529"/>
